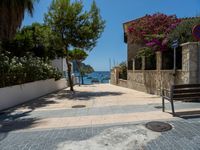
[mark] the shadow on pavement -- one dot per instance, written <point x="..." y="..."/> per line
<point x="33" y="104"/>
<point x="11" y="121"/>
<point x="38" y="103"/>
<point x="188" y="114"/>
<point x="66" y="94"/>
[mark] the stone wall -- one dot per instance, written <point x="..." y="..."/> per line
<point x="122" y="83"/>
<point x="112" y="77"/>
<point x="132" y="51"/>
<point x="151" y="81"/>
<point x="191" y="62"/>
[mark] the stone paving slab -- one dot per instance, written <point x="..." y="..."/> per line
<point x="127" y="137"/>
<point x="114" y="118"/>
<point x="84" y="120"/>
<point x="88" y="111"/>
<point x="100" y="95"/>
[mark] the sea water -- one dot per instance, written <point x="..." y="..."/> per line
<point x="97" y="77"/>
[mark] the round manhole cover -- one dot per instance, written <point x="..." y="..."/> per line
<point x="158" y="126"/>
<point x="78" y="106"/>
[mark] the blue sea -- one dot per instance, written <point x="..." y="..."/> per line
<point x="97" y="77"/>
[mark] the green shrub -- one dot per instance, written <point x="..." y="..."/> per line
<point x="14" y="71"/>
<point x="183" y="32"/>
<point x="145" y="51"/>
<point x="123" y="70"/>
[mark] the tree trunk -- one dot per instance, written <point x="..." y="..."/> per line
<point x="79" y="77"/>
<point x="79" y="80"/>
<point x="69" y="75"/>
<point x="80" y="74"/>
<point x="82" y="79"/>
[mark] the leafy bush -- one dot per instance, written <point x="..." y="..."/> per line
<point x="150" y="59"/>
<point x="123" y="70"/>
<point x="14" y="71"/>
<point x="36" y="39"/>
<point x="183" y="32"/>
<point x="145" y="51"/>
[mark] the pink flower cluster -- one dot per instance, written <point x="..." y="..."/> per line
<point x="153" y="30"/>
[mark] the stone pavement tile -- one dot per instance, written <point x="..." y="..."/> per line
<point x="97" y="120"/>
<point x="50" y="139"/>
<point x="184" y="135"/>
<point x="132" y="117"/>
<point x="94" y="111"/>
<point x="91" y="96"/>
<point x="55" y="122"/>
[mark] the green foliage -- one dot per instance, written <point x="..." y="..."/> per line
<point x="145" y="51"/>
<point x="12" y="13"/>
<point x="14" y="71"/>
<point x="150" y="59"/>
<point x="76" y="27"/>
<point x="123" y="70"/>
<point x="36" y="39"/>
<point x="77" y="55"/>
<point x="183" y="31"/>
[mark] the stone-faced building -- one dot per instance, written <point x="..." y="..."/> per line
<point x="139" y="77"/>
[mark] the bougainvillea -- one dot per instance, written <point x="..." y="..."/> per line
<point x="153" y="30"/>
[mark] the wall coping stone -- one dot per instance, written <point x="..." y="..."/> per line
<point x="189" y="43"/>
<point x="123" y="80"/>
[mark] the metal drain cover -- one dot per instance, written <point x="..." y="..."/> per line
<point x="78" y="106"/>
<point x="158" y="126"/>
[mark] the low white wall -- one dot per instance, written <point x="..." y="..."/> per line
<point x="15" y="95"/>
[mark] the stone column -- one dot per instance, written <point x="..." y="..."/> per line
<point x="158" y="61"/>
<point x="143" y="63"/>
<point x="158" y="72"/>
<point x="190" y="63"/>
<point x="116" y="71"/>
<point x="133" y="64"/>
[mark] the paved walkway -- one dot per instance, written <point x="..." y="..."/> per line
<point x="113" y="118"/>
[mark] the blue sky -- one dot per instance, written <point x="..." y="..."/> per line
<point x="116" y="12"/>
